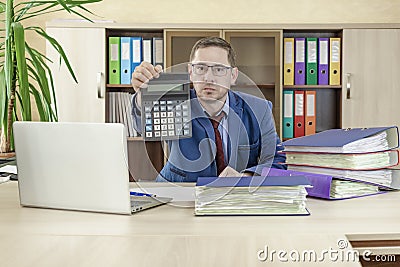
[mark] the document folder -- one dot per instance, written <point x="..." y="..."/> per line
<point x="136" y="51"/>
<point x="335" y="50"/>
<point x="288" y="114"/>
<point x="298" y="114"/>
<point x="288" y="66"/>
<point x="347" y="141"/>
<point x="323" y="60"/>
<point x="126" y="58"/>
<point x="300" y="63"/>
<point x="386" y="177"/>
<point x="310" y="110"/>
<point x="345" y="161"/>
<point x="158" y="51"/>
<point x="311" y="58"/>
<point x="328" y="187"/>
<point x="147" y="50"/>
<point x="256" y="195"/>
<point x="114" y="60"/>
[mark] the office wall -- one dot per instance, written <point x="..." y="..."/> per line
<point x="239" y="11"/>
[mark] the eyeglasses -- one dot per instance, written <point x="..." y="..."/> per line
<point x="217" y="70"/>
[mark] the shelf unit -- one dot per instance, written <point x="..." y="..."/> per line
<point x="328" y="97"/>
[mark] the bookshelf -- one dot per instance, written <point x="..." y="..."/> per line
<point x="328" y="96"/>
<point x="369" y="67"/>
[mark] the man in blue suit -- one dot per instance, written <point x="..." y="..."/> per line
<point x="233" y="133"/>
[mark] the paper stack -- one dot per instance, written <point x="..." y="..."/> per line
<point x="345" y="163"/>
<point x="255" y="195"/>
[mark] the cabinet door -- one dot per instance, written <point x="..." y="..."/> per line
<point x="371" y="68"/>
<point x="85" y="48"/>
<point x="258" y="55"/>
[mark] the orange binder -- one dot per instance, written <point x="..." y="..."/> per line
<point x="310" y="110"/>
<point x="298" y="113"/>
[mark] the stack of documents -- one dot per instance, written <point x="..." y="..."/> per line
<point x="120" y="111"/>
<point x="357" y="140"/>
<point x="251" y="195"/>
<point x="352" y="149"/>
<point x="345" y="163"/>
<point x="387" y="177"/>
<point x="329" y="187"/>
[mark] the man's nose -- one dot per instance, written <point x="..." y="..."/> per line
<point x="209" y="76"/>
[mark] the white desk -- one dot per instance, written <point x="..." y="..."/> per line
<point x="171" y="236"/>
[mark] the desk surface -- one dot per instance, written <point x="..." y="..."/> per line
<point x="173" y="236"/>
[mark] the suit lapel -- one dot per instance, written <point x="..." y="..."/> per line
<point x="234" y="128"/>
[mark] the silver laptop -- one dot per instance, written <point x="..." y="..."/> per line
<point x="76" y="166"/>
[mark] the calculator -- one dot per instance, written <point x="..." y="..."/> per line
<point x="166" y="111"/>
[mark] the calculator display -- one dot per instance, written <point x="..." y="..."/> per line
<point x="166" y="113"/>
<point x="165" y="87"/>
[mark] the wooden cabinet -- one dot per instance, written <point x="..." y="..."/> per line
<point x="371" y="80"/>
<point x="86" y="50"/>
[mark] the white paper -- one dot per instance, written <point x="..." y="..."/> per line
<point x="9" y="169"/>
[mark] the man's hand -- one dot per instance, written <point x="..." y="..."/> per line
<point x="230" y="172"/>
<point x="141" y="77"/>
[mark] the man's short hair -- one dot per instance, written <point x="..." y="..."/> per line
<point x="215" y="42"/>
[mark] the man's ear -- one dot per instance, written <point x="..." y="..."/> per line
<point x="190" y="71"/>
<point x="234" y="75"/>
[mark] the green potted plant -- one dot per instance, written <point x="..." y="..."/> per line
<point x="23" y="69"/>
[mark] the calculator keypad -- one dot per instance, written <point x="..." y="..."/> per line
<point x="166" y="119"/>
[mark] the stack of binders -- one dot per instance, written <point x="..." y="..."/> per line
<point x="251" y="195"/>
<point x="126" y="53"/>
<point x="312" y="61"/>
<point x="344" y="163"/>
<point x="307" y="61"/>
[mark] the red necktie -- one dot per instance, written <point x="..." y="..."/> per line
<point x="219" y="157"/>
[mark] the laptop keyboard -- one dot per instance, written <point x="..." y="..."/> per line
<point x="135" y="203"/>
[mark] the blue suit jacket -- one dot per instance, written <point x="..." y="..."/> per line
<point x="253" y="142"/>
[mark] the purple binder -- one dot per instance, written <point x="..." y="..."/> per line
<point x="323" y="61"/>
<point x="321" y="183"/>
<point x="300" y="61"/>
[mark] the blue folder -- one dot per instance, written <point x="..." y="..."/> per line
<point x="337" y="138"/>
<point x="248" y="181"/>
<point x="126" y="59"/>
<point x="137" y="53"/>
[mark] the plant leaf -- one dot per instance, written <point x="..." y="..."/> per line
<point x="58" y="48"/>
<point x="19" y="39"/>
<point x="41" y="75"/>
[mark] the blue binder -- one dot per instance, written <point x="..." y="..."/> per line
<point x="126" y="59"/>
<point x="248" y="181"/>
<point x="332" y="141"/>
<point x="137" y="51"/>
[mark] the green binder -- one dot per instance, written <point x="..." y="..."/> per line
<point x="114" y="60"/>
<point x="311" y="61"/>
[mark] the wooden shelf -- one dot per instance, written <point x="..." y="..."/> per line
<point x="118" y="85"/>
<point x="120" y="88"/>
<point x="261" y="86"/>
<point x="305" y="87"/>
<point x="138" y="138"/>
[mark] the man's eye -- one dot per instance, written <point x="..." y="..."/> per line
<point x="200" y="68"/>
<point x="219" y="69"/>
